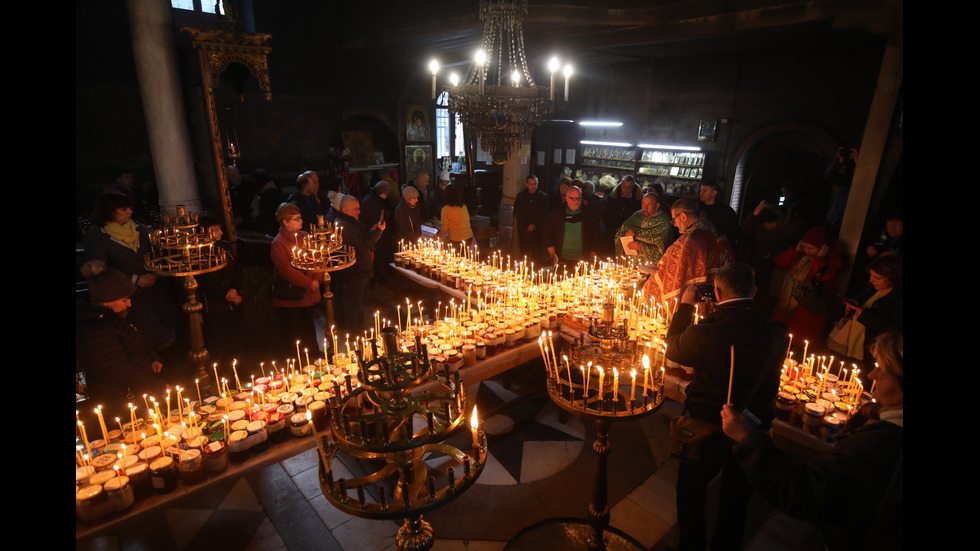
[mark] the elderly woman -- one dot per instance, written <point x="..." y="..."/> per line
<point x="408" y="217"/>
<point x="121" y="244"/>
<point x="844" y="490"/>
<point x="294" y="293"/>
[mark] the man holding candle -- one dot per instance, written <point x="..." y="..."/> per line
<point x="734" y="352"/>
<point x="855" y="491"/>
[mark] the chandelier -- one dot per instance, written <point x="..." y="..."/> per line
<point x="498" y="101"/>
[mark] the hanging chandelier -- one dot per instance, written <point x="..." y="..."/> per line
<point x="498" y="101"/>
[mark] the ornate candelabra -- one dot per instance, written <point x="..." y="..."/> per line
<point x="397" y="437"/>
<point x="603" y="398"/>
<point x="181" y="249"/>
<point x="497" y="100"/>
<point x="323" y="251"/>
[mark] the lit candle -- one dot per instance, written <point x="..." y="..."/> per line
<point x="552" y="66"/>
<point x="105" y="432"/>
<point x="615" y="385"/>
<point x="474" y="430"/>
<point x="434" y="67"/>
<point x="633" y="383"/>
<point x="197" y="383"/>
<point x="646" y="373"/>
<point x="601" y="377"/>
<point x="481" y="59"/>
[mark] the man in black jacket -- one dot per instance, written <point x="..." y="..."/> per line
<point x="118" y="362"/>
<point x="735" y="327"/>
<point x="530" y="214"/>
<point x="357" y="277"/>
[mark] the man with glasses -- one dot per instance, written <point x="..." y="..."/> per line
<point x="694" y="258"/>
<point x="572" y="231"/>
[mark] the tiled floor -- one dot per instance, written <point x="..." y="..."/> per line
<point x="540" y="468"/>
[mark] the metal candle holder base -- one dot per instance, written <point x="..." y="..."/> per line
<point x="183" y="250"/>
<point x="375" y="424"/>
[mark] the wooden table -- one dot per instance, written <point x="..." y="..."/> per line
<point x="276" y="453"/>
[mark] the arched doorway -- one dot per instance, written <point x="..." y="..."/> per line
<point x="780" y="156"/>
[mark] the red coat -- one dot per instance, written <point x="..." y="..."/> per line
<point x="282" y="247"/>
<point x="804" y="324"/>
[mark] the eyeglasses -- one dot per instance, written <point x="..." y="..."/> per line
<point x="572" y="198"/>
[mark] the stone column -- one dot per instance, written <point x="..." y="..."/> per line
<point x="151" y="24"/>
<point x="873" y="142"/>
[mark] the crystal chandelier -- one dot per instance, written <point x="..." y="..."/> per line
<point x="498" y="101"/>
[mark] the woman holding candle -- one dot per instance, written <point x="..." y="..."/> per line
<point x="851" y="491"/>
<point x="120" y="243"/>
<point x="294" y="293"/>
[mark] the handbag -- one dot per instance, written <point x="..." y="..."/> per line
<point x="810" y="295"/>
<point x="689" y="437"/>
<point x="847" y="338"/>
<point x="839" y="335"/>
<point x="284" y="290"/>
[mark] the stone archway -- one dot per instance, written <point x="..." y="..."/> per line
<point x="777" y="155"/>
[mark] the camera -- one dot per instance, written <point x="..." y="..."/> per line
<point x="706" y="293"/>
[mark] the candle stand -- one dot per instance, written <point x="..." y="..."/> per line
<point x="181" y="249"/>
<point x="603" y="399"/>
<point x="320" y="252"/>
<point x="400" y="437"/>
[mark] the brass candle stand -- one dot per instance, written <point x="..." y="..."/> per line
<point x="583" y="387"/>
<point x="182" y="249"/>
<point x="398" y="436"/>
<point x="320" y="252"/>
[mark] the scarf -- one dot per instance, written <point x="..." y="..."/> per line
<point x="124" y="233"/>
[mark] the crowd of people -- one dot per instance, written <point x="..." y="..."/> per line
<point x="688" y="245"/>
<point x="770" y="276"/>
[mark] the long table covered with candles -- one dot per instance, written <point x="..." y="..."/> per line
<point x="508" y="313"/>
<point x="506" y="293"/>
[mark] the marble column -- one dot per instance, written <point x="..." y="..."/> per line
<point x="154" y="48"/>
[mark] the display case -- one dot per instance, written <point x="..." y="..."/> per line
<point x="617" y="157"/>
<point x="679" y="169"/>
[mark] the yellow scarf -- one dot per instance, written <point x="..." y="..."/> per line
<point x="124" y="233"/>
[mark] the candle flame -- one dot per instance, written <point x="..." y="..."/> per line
<point x="474" y="420"/>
